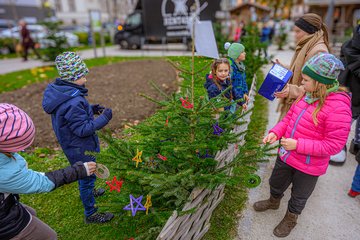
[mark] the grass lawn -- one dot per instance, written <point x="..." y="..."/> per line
<point x="62" y="209"/>
<point x="15" y="80"/>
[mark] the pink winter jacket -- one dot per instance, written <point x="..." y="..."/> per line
<point x="315" y="143"/>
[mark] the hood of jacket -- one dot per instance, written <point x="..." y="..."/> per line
<point x="59" y="92"/>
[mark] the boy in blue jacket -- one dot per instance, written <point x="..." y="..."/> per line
<point x="75" y="126"/>
<point x="236" y="54"/>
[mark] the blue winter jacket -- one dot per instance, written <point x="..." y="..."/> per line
<point x="16" y="178"/>
<point x="213" y="90"/>
<point x="238" y="79"/>
<point x="73" y="119"/>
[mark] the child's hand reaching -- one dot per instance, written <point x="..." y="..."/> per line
<point x="90" y="167"/>
<point x="288" y="143"/>
<point x="270" y="138"/>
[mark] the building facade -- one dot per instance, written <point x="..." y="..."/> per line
<point x="30" y="10"/>
<point x="77" y="12"/>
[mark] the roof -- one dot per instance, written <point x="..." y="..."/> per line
<point x="256" y="5"/>
<point x="327" y="2"/>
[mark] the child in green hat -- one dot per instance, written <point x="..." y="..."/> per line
<point x="237" y="55"/>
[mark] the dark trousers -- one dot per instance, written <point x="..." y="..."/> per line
<point x="302" y="185"/>
<point x="26" y="50"/>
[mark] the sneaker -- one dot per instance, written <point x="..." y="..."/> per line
<point x="98" y="192"/>
<point x="353" y="193"/>
<point x="339" y="158"/>
<point x="99" y="218"/>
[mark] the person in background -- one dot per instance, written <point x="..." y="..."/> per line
<point x="26" y="41"/>
<point x="350" y="77"/>
<point x="266" y="32"/>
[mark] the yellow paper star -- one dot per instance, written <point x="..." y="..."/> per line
<point x="137" y="158"/>
<point x="148" y="203"/>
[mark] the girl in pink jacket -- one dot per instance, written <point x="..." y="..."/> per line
<point x="316" y="127"/>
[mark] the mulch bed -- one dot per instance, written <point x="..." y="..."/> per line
<point x="116" y="86"/>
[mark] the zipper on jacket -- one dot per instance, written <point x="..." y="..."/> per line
<point x="308" y="159"/>
<point x="294" y="129"/>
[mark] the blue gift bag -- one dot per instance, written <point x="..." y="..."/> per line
<point x="274" y="81"/>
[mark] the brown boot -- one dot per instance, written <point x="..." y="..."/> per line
<point x="271" y="203"/>
<point x="286" y="225"/>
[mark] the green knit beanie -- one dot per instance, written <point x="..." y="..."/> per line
<point x="234" y="49"/>
<point x="323" y="67"/>
<point x="70" y="66"/>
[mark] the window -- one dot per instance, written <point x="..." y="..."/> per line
<point x="58" y="6"/>
<point x="72" y="6"/>
<point x="134" y="20"/>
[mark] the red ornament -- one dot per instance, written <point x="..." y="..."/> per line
<point x="185" y="103"/>
<point x="162" y="157"/>
<point x="115" y="184"/>
<point x="167" y="121"/>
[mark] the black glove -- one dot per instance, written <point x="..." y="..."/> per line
<point x="97" y="108"/>
<point x="107" y="113"/>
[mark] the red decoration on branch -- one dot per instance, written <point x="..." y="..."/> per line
<point x="186" y="104"/>
<point x="162" y="157"/>
<point x="167" y="121"/>
<point x="115" y="184"/>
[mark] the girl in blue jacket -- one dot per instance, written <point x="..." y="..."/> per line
<point x="219" y="80"/>
<point x="18" y="220"/>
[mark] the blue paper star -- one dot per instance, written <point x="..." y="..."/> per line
<point x="139" y="206"/>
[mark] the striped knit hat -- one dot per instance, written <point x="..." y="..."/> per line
<point x="17" y="130"/>
<point x="323" y="67"/>
<point x="70" y="66"/>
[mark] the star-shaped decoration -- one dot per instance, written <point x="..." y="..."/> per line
<point x="217" y="129"/>
<point x="186" y="104"/>
<point x="115" y="184"/>
<point x="137" y="158"/>
<point x="137" y="202"/>
<point x="148" y="203"/>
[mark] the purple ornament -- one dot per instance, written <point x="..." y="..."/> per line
<point x="139" y="206"/>
<point x="217" y="130"/>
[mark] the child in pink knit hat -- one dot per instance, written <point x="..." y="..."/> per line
<point x="17" y="132"/>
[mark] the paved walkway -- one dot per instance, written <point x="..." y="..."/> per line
<point x="329" y="213"/>
<point x="16" y="64"/>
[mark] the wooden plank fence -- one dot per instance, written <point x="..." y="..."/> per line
<point x="194" y="226"/>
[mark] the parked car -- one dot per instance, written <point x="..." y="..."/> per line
<point x="39" y="34"/>
<point x="6" y="24"/>
<point x="74" y="28"/>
